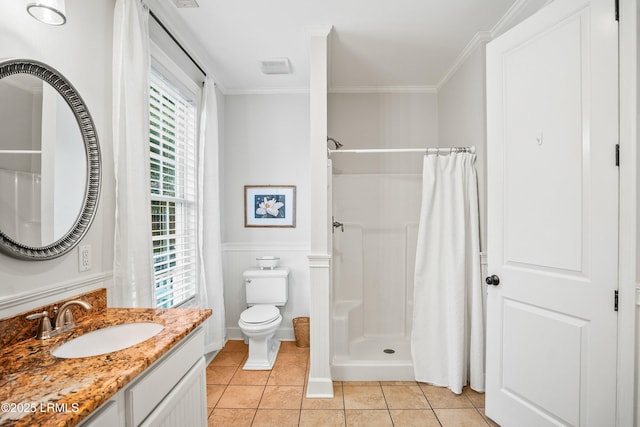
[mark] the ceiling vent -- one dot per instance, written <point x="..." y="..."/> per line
<point x="180" y="4"/>
<point x="276" y="66"/>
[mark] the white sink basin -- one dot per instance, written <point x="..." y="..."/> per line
<point x="107" y="340"/>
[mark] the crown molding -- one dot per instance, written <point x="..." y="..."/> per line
<point x="383" y="89"/>
<point x="335" y="89"/>
<point x="478" y="39"/>
<point x="483" y="37"/>
<point x="269" y="91"/>
<point x="319" y="30"/>
<point x="510" y="18"/>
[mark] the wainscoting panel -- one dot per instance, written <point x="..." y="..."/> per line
<point x="16" y="304"/>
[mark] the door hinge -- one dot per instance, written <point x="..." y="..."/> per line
<point x="617" y="154"/>
<point x="615" y="300"/>
<point x="617" y="2"/>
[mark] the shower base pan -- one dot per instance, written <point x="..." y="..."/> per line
<point x="375" y="359"/>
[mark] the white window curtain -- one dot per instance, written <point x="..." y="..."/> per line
<point x="132" y="264"/>
<point x="210" y="289"/>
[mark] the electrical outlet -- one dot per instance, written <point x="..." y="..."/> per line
<point x="84" y="258"/>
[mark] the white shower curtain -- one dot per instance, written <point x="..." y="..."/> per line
<point x="447" y="338"/>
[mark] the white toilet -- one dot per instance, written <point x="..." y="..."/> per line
<point x="265" y="289"/>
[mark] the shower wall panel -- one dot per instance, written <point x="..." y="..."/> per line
<point x="348" y="263"/>
<point x="375" y="255"/>
<point x="20" y="206"/>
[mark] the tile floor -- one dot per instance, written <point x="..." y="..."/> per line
<point x="276" y="398"/>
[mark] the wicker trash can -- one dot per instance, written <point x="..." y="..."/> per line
<point x="301" y="331"/>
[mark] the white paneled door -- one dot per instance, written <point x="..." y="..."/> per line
<point x="552" y="128"/>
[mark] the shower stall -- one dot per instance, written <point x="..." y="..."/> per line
<point x="376" y="197"/>
<point x="373" y="262"/>
<point x="375" y="241"/>
<point x="20" y="201"/>
<point x="376" y="217"/>
<point x="376" y="146"/>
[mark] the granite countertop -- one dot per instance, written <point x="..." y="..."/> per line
<point x="37" y="388"/>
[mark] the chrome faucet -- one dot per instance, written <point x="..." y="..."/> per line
<point x="63" y="319"/>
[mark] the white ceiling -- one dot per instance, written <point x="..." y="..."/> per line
<point x="376" y="45"/>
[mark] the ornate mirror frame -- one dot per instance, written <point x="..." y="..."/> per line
<point x="73" y="236"/>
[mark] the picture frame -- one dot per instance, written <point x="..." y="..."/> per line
<point x="270" y="206"/>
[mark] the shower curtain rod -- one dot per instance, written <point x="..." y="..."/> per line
<point x="471" y="149"/>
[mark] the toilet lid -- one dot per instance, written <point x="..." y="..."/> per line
<point x="260" y="313"/>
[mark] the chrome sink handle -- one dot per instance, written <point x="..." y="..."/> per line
<point x="64" y="318"/>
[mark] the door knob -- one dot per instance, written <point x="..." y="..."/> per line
<point x="492" y="280"/>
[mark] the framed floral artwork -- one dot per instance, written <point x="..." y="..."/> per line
<point x="269" y="206"/>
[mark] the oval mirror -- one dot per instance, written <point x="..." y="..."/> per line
<point x="50" y="166"/>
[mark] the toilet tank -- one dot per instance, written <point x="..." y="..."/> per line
<point x="267" y="286"/>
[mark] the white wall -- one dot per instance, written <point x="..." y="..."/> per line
<point x="266" y="141"/>
<point x="462" y="117"/>
<point x="81" y="51"/>
<point x="382" y="120"/>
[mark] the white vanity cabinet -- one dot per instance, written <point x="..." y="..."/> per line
<point x="170" y="393"/>
<point x="107" y="415"/>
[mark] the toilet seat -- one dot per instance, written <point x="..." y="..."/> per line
<point x="260" y="313"/>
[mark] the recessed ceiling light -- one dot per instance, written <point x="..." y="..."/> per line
<point x="50" y="12"/>
<point x="276" y="66"/>
<point x="185" y="3"/>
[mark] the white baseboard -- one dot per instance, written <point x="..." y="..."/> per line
<point x="320" y="388"/>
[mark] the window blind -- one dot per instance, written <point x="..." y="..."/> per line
<point x="172" y="142"/>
